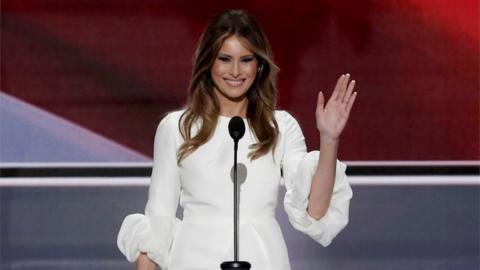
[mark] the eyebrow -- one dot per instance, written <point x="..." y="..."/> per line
<point x="229" y="56"/>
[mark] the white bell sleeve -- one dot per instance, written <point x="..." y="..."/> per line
<point x="298" y="168"/>
<point x="153" y="232"/>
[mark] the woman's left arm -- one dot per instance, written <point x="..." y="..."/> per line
<point x="331" y="120"/>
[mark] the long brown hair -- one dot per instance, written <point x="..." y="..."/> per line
<point x="202" y="104"/>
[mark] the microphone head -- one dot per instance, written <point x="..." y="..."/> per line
<point x="236" y="128"/>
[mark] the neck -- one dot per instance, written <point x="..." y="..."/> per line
<point x="232" y="108"/>
<point x="231" y="111"/>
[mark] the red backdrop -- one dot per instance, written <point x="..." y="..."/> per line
<point x="116" y="66"/>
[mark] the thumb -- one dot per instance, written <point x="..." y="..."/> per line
<point x="320" y="101"/>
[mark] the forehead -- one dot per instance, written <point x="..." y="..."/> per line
<point x="235" y="45"/>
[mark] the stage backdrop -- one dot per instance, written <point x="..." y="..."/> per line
<point x="113" y="68"/>
<point x="89" y="80"/>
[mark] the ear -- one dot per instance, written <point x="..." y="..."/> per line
<point x="260" y="68"/>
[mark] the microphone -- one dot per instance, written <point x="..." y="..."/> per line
<point x="236" y="128"/>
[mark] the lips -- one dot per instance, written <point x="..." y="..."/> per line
<point x="234" y="82"/>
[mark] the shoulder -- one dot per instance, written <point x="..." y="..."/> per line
<point x="286" y="121"/>
<point x="169" y="124"/>
<point x="171" y="118"/>
<point x="282" y="115"/>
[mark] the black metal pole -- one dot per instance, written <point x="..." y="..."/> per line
<point x="236" y="129"/>
<point x="235" y="203"/>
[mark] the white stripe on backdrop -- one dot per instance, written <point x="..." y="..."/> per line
<point x="144" y="181"/>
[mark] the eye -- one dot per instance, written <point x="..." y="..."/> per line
<point x="247" y="60"/>
<point x="223" y="59"/>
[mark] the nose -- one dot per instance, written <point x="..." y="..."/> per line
<point x="235" y="69"/>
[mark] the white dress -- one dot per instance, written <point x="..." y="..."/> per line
<point x="203" y="239"/>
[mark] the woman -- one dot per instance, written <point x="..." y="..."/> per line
<point x="233" y="75"/>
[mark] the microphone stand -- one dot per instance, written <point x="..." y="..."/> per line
<point x="236" y="135"/>
<point x="235" y="203"/>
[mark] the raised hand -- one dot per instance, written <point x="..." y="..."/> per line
<point x="332" y="117"/>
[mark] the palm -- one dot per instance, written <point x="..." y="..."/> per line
<point x="332" y="118"/>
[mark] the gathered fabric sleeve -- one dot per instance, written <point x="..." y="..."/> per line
<point x="153" y="232"/>
<point x="298" y="169"/>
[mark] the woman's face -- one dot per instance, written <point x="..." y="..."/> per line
<point x="234" y="70"/>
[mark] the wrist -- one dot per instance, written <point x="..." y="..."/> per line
<point x="328" y="140"/>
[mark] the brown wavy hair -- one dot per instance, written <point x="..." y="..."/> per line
<point x="202" y="105"/>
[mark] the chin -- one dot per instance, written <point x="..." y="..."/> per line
<point x="235" y="96"/>
<point x="234" y="93"/>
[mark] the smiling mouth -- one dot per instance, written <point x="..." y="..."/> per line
<point x="234" y="83"/>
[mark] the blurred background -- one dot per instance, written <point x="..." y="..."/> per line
<point x="84" y="84"/>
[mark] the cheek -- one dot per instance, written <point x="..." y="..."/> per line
<point x="251" y="70"/>
<point x="216" y="70"/>
<point x="216" y="74"/>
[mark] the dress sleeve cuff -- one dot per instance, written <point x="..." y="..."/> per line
<point x="152" y="235"/>
<point x="296" y="201"/>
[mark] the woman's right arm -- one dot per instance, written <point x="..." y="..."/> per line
<point x="153" y="233"/>
<point x="144" y="263"/>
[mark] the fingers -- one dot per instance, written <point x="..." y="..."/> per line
<point x="343" y="90"/>
<point x="320" y="101"/>
<point x="336" y="90"/>
<point x="351" y="101"/>
<point x="343" y="87"/>
<point x="349" y="91"/>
